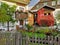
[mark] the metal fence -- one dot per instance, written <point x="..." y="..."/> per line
<point x="10" y="38"/>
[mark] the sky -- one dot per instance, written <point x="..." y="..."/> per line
<point x="32" y="3"/>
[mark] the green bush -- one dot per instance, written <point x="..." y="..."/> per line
<point x="43" y="30"/>
<point x="29" y="27"/>
<point x="48" y="31"/>
<point x="54" y="32"/>
<point x="36" y="35"/>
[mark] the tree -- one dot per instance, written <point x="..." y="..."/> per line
<point x="11" y="12"/>
<point x="57" y="16"/>
<point x="6" y="13"/>
<point x="3" y="14"/>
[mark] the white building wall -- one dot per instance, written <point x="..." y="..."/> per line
<point x="4" y="27"/>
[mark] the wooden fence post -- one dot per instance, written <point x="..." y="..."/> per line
<point x="58" y="40"/>
<point x="27" y="40"/>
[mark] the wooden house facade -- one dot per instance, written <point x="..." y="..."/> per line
<point x="45" y="16"/>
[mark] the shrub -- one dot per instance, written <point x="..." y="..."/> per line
<point x="43" y="30"/>
<point x="29" y="27"/>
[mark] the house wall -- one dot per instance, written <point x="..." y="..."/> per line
<point x="54" y="3"/>
<point x="30" y="19"/>
<point x="44" y="18"/>
<point x="3" y="26"/>
<point x="18" y="26"/>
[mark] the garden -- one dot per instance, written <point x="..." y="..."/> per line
<point x="30" y="36"/>
<point x="40" y="36"/>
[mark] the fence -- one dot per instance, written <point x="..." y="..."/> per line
<point x="10" y="38"/>
<point x="49" y="40"/>
<point x="16" y="38"/>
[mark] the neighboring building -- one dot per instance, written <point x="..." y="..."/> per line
<point x="21" y="19"/>
<point x="32" y="4"/>
<point x="24" y="18"/>
<point x="19" y="2"/>
<point x="52" y="3"/>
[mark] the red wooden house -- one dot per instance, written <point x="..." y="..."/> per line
<point x="45" y="16"/>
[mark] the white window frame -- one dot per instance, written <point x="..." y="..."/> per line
<point x="45" y="3"/>
<point x="58" y="2"/>
<point x="53" y="3"/>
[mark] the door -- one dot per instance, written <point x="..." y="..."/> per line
<point x="21" y="22"/>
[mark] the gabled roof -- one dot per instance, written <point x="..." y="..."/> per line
<point x="46" y="7"/>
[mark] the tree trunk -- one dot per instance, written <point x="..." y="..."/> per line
<point x="8" y="26"/>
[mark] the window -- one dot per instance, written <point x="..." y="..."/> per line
<point x="53" y="3"/>
<point x="4" y="25"/>
<point x="11" y="24"/>
<point x="37" y="6"/>
<point x="58" y="2"/>
<point x="45" y="3"/>
<point x="21" y="22"/>
<point x="26" y="21"/>
<point x="48" y="13"/>
<point x="21" y="8"/>
<point x="45" y="14"/>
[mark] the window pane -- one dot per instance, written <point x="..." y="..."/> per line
<point x="11" y="24"/>
<point x="53" y="3"/>
<point x="21" y="22"/>
<point x="45" y="3"/>
<point x="4" y="25"/>
<point x="58" y="2"/>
